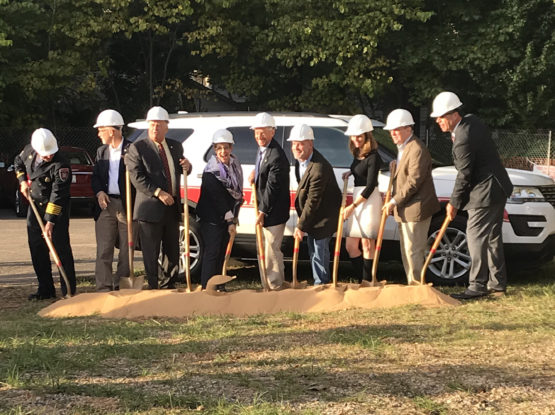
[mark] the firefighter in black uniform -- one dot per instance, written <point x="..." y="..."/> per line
<point x="45" y="176"/>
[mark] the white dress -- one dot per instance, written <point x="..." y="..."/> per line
<point x="365" y="220"/>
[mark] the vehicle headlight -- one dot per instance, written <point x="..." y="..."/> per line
<point x="526" y="194"/>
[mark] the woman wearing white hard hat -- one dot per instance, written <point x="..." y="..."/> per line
<point x="363" y="215"/>
<point x="221" y="196"/>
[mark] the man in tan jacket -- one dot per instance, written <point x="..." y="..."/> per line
<point x="414" y="198"/>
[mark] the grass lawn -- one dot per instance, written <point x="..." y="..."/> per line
<point x="490" y="356"/>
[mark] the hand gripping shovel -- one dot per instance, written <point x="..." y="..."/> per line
<point x="131" y="282"/>
<point x="259" y="242"/>
<point x="339" y="233"/>
<point x="50" y="245"/>
<point x="433" y="249"/>
<point x="223" y="278"/>
<point x="379" y="240"/>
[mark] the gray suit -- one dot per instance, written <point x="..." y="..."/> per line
<point x="481" y="188"/>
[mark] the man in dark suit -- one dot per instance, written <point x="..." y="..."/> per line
<point x="108" y="183"/>
<point x="414" y="198"/>
<point x="481" y="188"/>
<point x="155" y="165"/>
<point x="271" y="175"/>
<point x="317" y="202"/>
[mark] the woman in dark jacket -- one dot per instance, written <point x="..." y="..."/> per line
<point x="221" y="196"/>
<point x="363" y="215"/>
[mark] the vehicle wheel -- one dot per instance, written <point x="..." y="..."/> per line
<point x="195" y="248"/>
<point x="20" y="205"/>
<point x="451" y="263"/>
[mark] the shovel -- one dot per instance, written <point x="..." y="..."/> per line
<point x="186" y="231"/>
<point x="339" y="233"/>
<point x="433" y="249"/>
<point x="50" y="245"/>
<point x="223" y="278"/>
<point x="295" y="284"/>
<point x="131" y="282"/>
<point x="259" y="242"/>
<point x="379" y="240"/>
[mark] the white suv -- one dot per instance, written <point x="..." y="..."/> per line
<point x="529" y="223"/>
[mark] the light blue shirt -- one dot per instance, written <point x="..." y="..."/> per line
<point x="303" y="166"/>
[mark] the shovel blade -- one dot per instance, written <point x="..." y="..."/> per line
<point x="219" y="280"/>
<point x="125" y="283"/>
<point x="138" y="282"/>
<point x="299" y="285"/>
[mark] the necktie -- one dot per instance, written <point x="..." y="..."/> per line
<point x="164" y="158"/>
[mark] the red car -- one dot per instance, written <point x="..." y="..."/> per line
<point x="81" y="190"/>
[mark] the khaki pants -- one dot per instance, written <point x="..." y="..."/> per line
<point x="413" y="237"/>
<point x="273" y="236"/>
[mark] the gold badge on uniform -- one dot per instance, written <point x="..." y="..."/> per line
<point x="47" y="179"/>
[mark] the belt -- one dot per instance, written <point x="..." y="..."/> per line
<point x="114" y="196"/>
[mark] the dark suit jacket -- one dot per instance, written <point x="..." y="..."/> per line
<point x="318" y="198"/>
<point x="99" y="180"/>
<point x="215" y="201"/>
<point x="147" y="174"/>
<point x="481" y="179"/>
<point x="272" y="185"/>
<point x="413" y="186"/>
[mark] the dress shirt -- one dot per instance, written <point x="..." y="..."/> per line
<point x="303" y="166"/>
<point x="113" y="172"/>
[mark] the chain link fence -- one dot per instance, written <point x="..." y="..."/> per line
<point x="519" y="149"/>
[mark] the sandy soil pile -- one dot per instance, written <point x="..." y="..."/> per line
<point x="165" y="303"/>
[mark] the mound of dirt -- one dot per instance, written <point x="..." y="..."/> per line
<point x="173" y="303"/>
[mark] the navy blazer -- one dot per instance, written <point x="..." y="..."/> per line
<point x="481" y="180"/>
<point x="147" y="174"/>
<point x="99" y="180"/>
<point x="272" y="185"/>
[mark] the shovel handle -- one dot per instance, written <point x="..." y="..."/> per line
<point x="186" y="230"/>
<point x="433" y="249"/>
<point x="130" y="242"/>
<point x="295" y="260"/>
<point x="50" y="245"/>
<point x="381" y="229"/>
<point x="259" y="241"/>
<point x="228" y="254"/>
<point x="339" y="233"/>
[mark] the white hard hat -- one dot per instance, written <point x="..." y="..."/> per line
<point x="301" y="132"/>
<point x="222" y="136"/>
<point x="157" y="114"/>
<point x="263" y="119"/>
<point x="398" y="118"/>
<point x="358" y="125"/>
<point x="443" y="103"/>
<point x="109" y="118"/>
<point x="44" y="142"/>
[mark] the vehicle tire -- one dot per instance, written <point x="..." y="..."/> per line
<point x="20" y="205"/>
<point x="451" y="263"/>
<point x="195" y="248"/>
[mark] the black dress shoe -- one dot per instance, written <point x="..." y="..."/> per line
<point x="469" y="295"/>
<point x="37" y="296"/>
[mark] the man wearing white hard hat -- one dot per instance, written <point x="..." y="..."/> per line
<point x="155" y="166"/>
<point x="481" y="189"/>
<point x="108" y="183"/>
<point x="45" y="175"/>
<point x="271" y="175"/>
<point x="221" y="197"/>
<point x="414" y="200"/>
<point x="317" y="202"/>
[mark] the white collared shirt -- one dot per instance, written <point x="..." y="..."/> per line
<point x="401" y="149"/>
<point x="113" y="172"/>
<point x="453" y="132"/>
